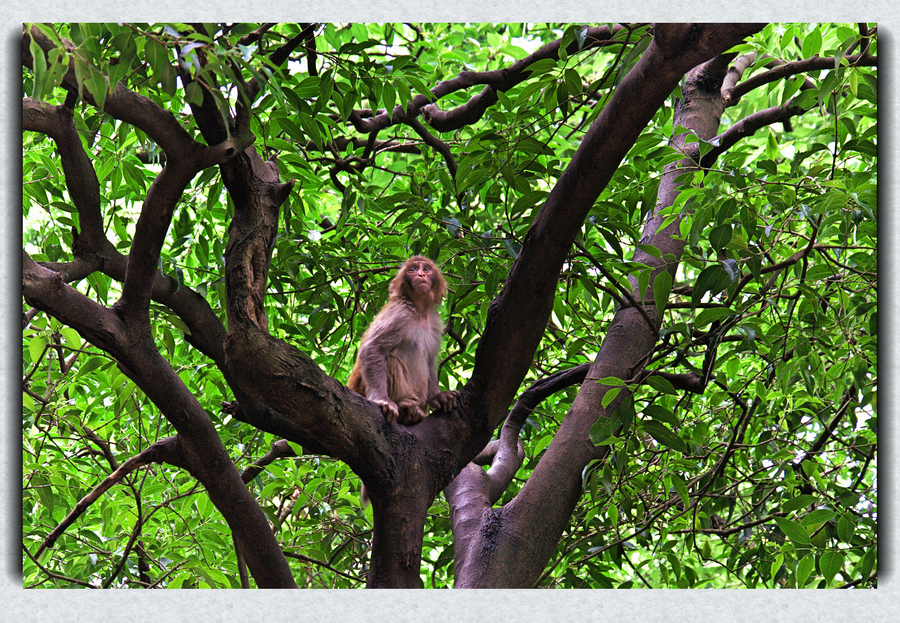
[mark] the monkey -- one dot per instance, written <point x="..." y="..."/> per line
<point x="395" y="364"/>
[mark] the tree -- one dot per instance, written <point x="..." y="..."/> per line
<point x="659" y="241"/>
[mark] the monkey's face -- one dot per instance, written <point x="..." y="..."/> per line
<point x="420" y="277"/>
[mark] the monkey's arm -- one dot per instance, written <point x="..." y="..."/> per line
<point x="373" y="362"/>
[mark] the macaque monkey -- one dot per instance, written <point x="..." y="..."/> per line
<point x="395" y="366"/>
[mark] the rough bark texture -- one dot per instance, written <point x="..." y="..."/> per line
<point x="510" y="546"/>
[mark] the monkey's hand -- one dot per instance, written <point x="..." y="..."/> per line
<point x="410" y="412"/>
<point x="389" y="409"/>
<point x="444" y="401"/>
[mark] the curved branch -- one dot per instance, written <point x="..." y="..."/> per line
<point x="149" y="236"/>
<point x="166" y="450"/>
<point x="505" y="455"/>
<point x="733" y="94"/>
<point x="735" y="73"/>
<point x="516" y="318"/>
<point x="141" y="112"/>
<point x="495" y="80"/>
<point x="747" y="127"/>
<point x="435" y="143"/>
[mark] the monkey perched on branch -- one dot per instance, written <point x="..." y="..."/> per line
<point x="395" y="366"/>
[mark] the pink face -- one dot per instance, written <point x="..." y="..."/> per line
<point x="420" y="275"/>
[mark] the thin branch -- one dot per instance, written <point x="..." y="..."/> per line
<point x="166" y="450"/>
<point x="104" y="447"/>
<point x="625" y="291"/>
<point x="55" y="576"/>
<point x="435" y="143"/>
<point x="744" y="128"/>
<point x="280" y="449"/>
<point x="323" y="564"/>
<point x="495" y="80"/>
<point x="732" y="95"/>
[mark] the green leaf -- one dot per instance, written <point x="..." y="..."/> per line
<point x="846" y="527"/>
<point x="712" y="279"/>
<point x="40" y="69"/>
<point x="800" y="501"/>
<point x="71" y="337"/>
<point x="662" y="414"/>
<point x="772" y="150"/>
<point x="776" y="566"/>
<point x="650" y="250"/>
<point x="829" y="564"/>
<point x="609" y="396"/>
<point x="818" y="517"/>
<point x="46" y="494"/>
<point x="793" y="530"/>
<point x="292" y="129"/>
<point x="708" y="316"/>
<point x="613" y="513"/>
<point x="193" y="94"/>
<point x="720" y="236"/>
<point x="867" y="564"/>
<point x="812" y="43"/>
<point x="311" y="128"/>
<point x="36" y="347"/>
<point x="661" y="286"/>
<point x="804" y="568"/>
<point x="541" y="66"/>
<point x="661" y="433"/>
<point x="662" y="385"/>
<point x="681" y="489"/>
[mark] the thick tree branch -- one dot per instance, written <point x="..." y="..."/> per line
<point x="149" y="236"/>
<point x="45" y="290"/>
<point x="517" y="316"/>
<point x="81" y="180"/>
<point x="519" y="543"/>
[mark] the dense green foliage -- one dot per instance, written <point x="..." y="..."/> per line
<point x="766" y="479"/>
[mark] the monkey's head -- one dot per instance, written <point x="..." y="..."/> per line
<point x="419" y="278"/>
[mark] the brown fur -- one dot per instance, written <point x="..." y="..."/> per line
<point x="395" y="366"/>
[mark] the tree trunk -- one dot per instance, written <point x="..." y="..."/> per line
<point x="514" y="543"/>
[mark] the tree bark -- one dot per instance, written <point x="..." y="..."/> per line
<point x="514" y="543"/>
